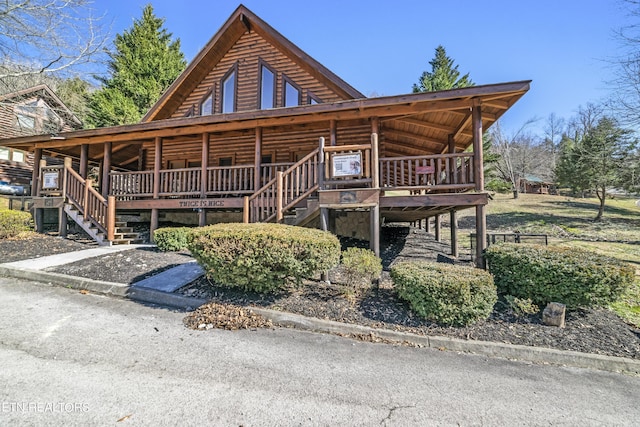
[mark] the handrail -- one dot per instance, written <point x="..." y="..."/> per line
<point x="453" y="171"/>
<point x="283" y="191"/>
<point x="93" y="206"/>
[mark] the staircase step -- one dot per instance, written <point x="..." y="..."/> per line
<point x="124" y="229"/>
<point x="126" y="235"/>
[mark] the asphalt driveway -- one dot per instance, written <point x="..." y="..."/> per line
<point x="73" y="359"/>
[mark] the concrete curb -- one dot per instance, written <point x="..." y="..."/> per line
<point x="121" y="290"/>
<point x="485" y="348"/>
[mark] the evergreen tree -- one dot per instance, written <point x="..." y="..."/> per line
<point x="596" y="161"/>
<point x="444" y="75"/>
<point x="145" y="62"/>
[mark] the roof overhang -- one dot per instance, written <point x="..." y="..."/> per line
<point x="429" y="116"/>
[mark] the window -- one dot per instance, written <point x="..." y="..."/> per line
<point x="267" y="88"/>
<point x="225" y="161"/>
<point x="4" y="153"/>
<point x="291" y="94"/>
<point x="18" y="156"/>
<point x="206" y="105"/>
<point x="229" y="91"/>
<point x="312" y="99"/>
<point x="26" y="122"/>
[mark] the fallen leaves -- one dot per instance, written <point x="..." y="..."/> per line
<point x="225" y="316"/>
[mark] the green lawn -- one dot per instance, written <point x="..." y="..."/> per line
<point x="569" y="221"/>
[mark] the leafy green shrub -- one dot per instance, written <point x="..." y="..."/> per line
<point x="521" y="306"/>
<point x="172" y="239"/>
<point x="262" y="257"/>
<point x="361" y="265"/>
<point x="445" y="294"/>
<point x="12" y="223"/>
<point x="574" y="277"/>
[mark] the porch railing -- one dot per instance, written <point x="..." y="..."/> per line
<point x="230" y="179"/>
<point x="284" y="191"/>
<point x="446" y="172"/>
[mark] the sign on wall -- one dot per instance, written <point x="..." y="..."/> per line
<point x="347" y="165"/>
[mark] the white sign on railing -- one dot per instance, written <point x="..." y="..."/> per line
<point x="50" y="180"/>
<point x="347" y="165"/>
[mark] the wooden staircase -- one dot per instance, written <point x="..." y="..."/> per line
<point x="123" y="234"/>
<point x="304" y="213"/>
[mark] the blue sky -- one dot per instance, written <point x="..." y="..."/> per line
<point x="382" y="47"/>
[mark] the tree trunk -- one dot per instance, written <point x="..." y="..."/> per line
<point x="601" y="196"/>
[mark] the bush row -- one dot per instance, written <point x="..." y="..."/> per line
<point x="172" y="239"/>
<point x="262" y="257"/>
<point x="12" y="223"/>
<point x="571" y="276"/>
<point x="445" y="294"/>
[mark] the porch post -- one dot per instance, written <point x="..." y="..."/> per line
<point x="35" y="175"/>
<point x="478" y="173"/>
<point x="157" y="164"/>
<point x="454" y="233"/>
<point x="333" y="133"/>
<point x="106" y="168"/>
<point x="84" y="161"/>
<point x="438" y="228"/>
<point x="204" y="162"/>
<point x="374" y="220"/>
<point x="257" y="161"/>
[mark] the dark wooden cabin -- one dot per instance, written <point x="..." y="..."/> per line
<point x="32" y="111"/>
<point x="257" y="130"/>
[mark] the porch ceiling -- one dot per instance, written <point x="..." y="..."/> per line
<point x="410" y="124"/>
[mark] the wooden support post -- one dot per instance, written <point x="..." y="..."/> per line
<point x="153" y="226"/>
<point x="111" y="218"/>
<point x="481" y="217"/>
<point x="279" y="196"/>
<point x="375" y="175"/>
<point x="39" y="219"/>
<point x="85" y="204"/>
<point x="374" y="242"/>
<point x="333" y="133"/>
<point x="427" y="225"/>
<point x="321" y="176"/>
<point x="481" y="233"/>
<point x="245" y="210"/>
<point x="454" y="233"/>
<point x="204" y="164"/>
<point x="84" y="161"/>
<point x="106" y="169"/>
<point x="35" y="175"/>
<point x="438" y="228"/>
<point x="62" y="222"/>
<point x="257" y="161"/>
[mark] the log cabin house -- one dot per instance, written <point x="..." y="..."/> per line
<point x="30" y="111"/>
<point x="256" y="130"/>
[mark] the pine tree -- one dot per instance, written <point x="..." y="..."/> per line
<point x="444" y="75"/>
<point x="145" y="62"/>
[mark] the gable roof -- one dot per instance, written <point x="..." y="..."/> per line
<point x="48" y="95"/>
<point x="241" y="21"/>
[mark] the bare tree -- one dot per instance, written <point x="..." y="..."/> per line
<point x="520" y="153"/>
<point x="45" y="37"/>
<point x="553" y="130"/>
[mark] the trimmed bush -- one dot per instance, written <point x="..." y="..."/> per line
<point x="12" y="223"/>
<point x="574" y="277"/>
<point x="445" y="294"/>
<point x="361" y="265"/>
<point x="172" y="239"/>
<point x="262" y="257"/>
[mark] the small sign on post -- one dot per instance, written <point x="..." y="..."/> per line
<point x="51" y="180"/>
<point x="424" y="170"/>
<point x="344" y="165"/>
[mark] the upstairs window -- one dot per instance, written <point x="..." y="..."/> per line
<point x="312" y="99"/>
<point x="206" y="105"/>
<point x="267" y="88"/>
<point x="291" y="94"/>
<point x="229" y="91"/>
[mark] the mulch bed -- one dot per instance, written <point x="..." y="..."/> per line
<point x="592" y="331"/>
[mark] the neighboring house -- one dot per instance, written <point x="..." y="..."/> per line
<point x="256" y="130"/>
<point x="32" y="111"/>
<point x="533" y="185"/>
